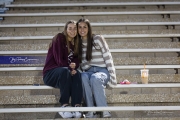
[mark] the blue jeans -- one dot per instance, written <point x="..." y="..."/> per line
<point x="93" y="81"/>
<point x="70" y="86"/>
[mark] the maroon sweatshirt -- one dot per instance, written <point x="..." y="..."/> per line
<point x="58" y="55"/>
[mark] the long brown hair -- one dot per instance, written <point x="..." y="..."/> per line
<point x="90" y="40"/>
<point x="76" y="38"/>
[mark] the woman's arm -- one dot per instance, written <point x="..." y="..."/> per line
<point x="59" y="50"/>
<point x="107" y="58"/>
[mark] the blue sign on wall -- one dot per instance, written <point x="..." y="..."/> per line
<point x="22" y="59"/>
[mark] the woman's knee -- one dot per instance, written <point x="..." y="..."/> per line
<point x="53" y="76"/>
<point x="60" y="71"/>
<point x="98" y="78"/>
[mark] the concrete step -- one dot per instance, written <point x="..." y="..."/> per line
<point x="30" y="90"/>
<point x="50" y="12"/>
<point x="83" y="8"/>
<point x="57" y="109"/>
<point x="119" y="115"/>
<point x="110" y="31"/>
<point x="102" y="29"/>
<point x="25" y="61"/>
<point x="139" y="45"/>
<point x="114" y="51"/>
<point x="147" y="60"/>
<point x="91" y="4"/>
<point x="98" y="19"/>
<point x="124" y="69"/>
<point x="118" y="86"/>
<point x="109" y="38"/>
<point x="79" y="1"/>
<point x="112" y="45"/>
<point x="143" y="52"/>
<point x="111" y="98"/>
<point x="96" y="9"/>
<point x="32" y="77"/>
<point x="117" y="67"/>
<point x="94" y="24"/>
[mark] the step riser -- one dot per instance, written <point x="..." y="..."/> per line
<point x="111" y="99"/>
<point x="121" y="92"/>
<point x="102" y="32"/>
<point x="163" y="27"/>
<point x="117" y="61"/>
<point x="32" y="77"/>
<point x="153" y="115"/>
<point x="92" y="18"/>
<point x="15" y="46"/>
<point x="59" y="29"/>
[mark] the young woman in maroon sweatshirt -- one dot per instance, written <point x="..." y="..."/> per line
<point x="60" y="70"/>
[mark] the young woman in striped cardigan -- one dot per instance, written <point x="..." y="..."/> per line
<point x="97" y="66"/>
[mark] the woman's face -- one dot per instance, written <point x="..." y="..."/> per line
<point x="83" y="29"/>
<point x="71" y="30"/>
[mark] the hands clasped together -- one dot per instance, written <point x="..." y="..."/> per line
<point x="72" y="66"/>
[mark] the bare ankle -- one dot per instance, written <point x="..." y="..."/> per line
<point x="77" y="105"/>
<point x="64" y="105"/>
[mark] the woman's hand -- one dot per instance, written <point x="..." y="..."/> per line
<point x="73" y="72"/>
<point x="72" y="66"/>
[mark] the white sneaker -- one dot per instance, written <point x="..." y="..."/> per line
<point x="106" y="114"/>
<point x="77" y="114"/>
<point x="90" y="114"/>
<point x="66" y="114"/>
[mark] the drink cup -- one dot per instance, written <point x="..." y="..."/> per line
<point x="144" y="76"/>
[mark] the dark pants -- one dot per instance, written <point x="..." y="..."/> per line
<point x="70" y="86"/>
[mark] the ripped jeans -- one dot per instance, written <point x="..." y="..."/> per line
<point x="93" y="82"/>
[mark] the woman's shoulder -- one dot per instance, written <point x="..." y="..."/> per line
<point x="98" y="38"/>
<point x="60" y="37"/>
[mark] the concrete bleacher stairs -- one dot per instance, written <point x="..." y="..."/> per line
<point x="138" y="32"/>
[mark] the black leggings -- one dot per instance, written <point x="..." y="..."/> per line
<point x="70" y="86"/>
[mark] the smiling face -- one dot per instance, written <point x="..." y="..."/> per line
<point x="83" y="30"/>
<point x="71" y="31"/>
